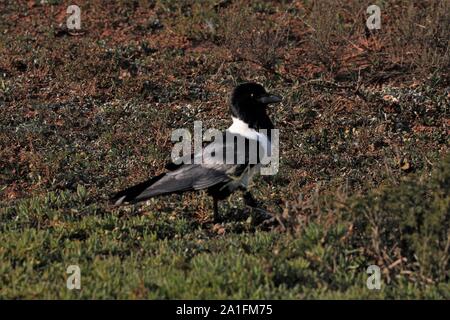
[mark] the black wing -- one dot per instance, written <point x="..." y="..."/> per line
<point x="186" y="177"/>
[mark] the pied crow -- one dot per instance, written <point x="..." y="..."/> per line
<point x="219" y="178"/>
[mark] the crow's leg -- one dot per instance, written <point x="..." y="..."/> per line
<point x="249" y="200"/>
<point x="216" y="210"/>
<point x="252" y="203"/>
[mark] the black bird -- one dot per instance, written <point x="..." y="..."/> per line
<point x="219" y="178"/>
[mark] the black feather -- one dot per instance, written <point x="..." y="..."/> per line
<point x="129" y="195"/>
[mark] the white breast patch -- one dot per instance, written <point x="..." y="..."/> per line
<point x="242" y="128"/>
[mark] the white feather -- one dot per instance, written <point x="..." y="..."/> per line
<point x="242" y="128"/>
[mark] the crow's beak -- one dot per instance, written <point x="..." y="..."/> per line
<point x="269" y="98"/>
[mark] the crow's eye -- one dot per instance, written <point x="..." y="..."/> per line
<point x="251" y="95"/>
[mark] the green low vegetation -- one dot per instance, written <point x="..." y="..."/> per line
<point x="157" y="255"/>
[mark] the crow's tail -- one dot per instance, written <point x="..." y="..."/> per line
<point x="132" y="194"/>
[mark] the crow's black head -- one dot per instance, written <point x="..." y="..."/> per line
<point x="249" y="102"/>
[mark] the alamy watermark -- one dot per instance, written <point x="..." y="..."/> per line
<point x="374" y="280"/>
<point x="74" y="278"/>
<point x="74" y="20"/>
<point x="227" y="148"/>
<point x="373" y="22"/>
